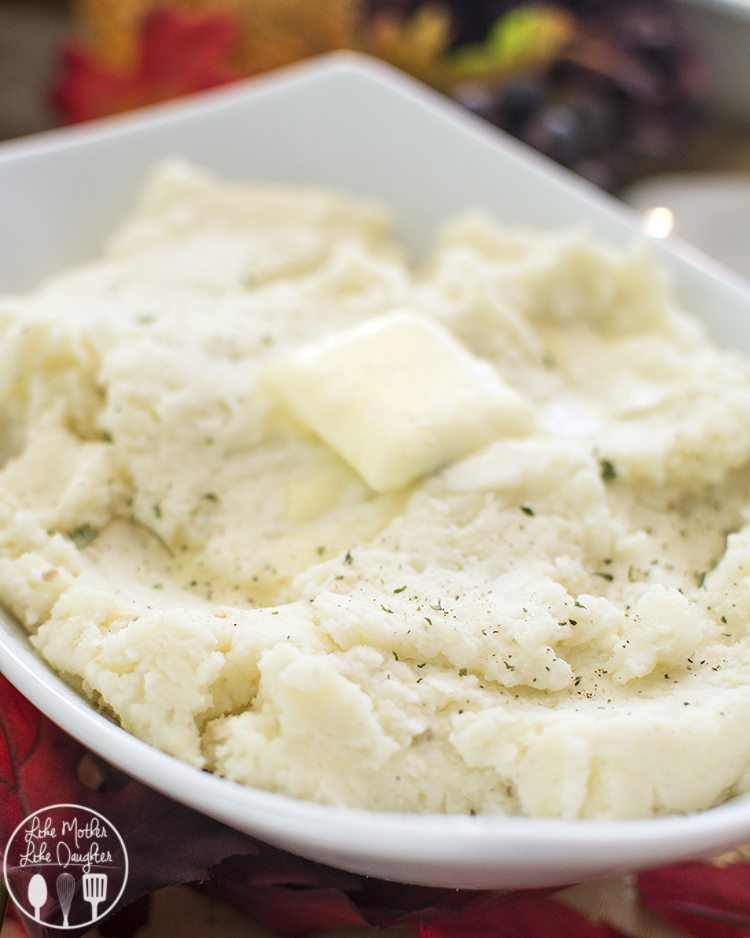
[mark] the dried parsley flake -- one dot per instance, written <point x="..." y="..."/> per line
<point x="82" y="536"/>
<point x="608" y="471"/>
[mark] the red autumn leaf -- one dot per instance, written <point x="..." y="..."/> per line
<point x="34" y="756"/>
<point x="180" y="52"/>
<point x="292" y="913"/>
<point x="288" y="895"/>
<point x="703" y="899"/>
<point x="291" y="897"/>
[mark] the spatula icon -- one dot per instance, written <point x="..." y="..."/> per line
<point x="94" y="891"/>
<point x="37" y="894"/>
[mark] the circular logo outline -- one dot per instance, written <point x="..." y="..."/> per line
<point x="126" y="872"/>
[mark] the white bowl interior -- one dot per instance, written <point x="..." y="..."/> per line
<point x="711" y="211"/>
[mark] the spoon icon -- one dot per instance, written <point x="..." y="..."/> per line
<point x="37" y="894"/>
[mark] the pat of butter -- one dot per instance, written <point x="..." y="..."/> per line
<point x="397" y="397"/>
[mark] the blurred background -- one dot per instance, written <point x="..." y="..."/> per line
<point x="649" y="99"/>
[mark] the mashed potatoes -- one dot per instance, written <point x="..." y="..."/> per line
<point x="491" y="557"/>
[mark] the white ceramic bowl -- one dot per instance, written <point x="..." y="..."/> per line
<point x="711" y="211"/>
<point x="359" y="126"/>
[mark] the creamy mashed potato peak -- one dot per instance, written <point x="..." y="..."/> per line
<point x="464" y="537"/>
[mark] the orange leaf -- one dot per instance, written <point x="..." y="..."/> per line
<point x="417" y="43"/>
<point x="111" y="29"/>
<point x="277" y="32"/>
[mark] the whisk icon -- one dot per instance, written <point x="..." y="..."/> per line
<point x="66" y="887"/>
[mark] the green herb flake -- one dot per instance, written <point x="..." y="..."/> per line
<point x="107" y="436"/>
<point x="605" y="576"/>
<point x="386" y="609"/>
<point x="577" y="681"/>
<point x="395" y="656"/>
<point x="320" y="550"/>
<point x="700" y="579"/>
<point x="463" y="672"/>
<point x="527" y="510"/>
<point x="607" y="470"/>
<point x="210" y="496"/>
<point x="724" y="620"/>
<point x="400" y="589"/>
<point x="83" y="536"/>
<point x="157" y="586"/>
<point x="428" y="621"/>
<point x="578" y="605"/>
<point x="152" y="533"/>
<point x="549" y="360"/>
<point x="348" y="559"/>
<point x="157" y="509"/>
